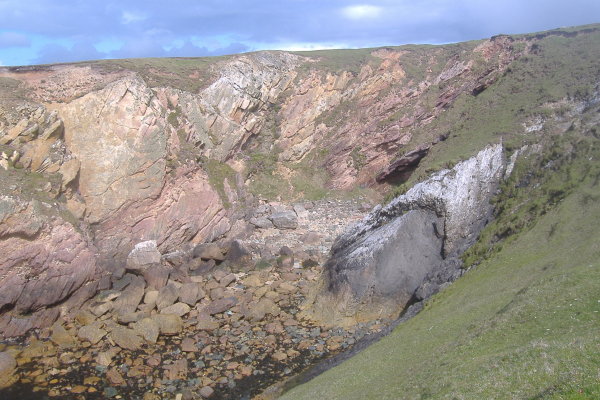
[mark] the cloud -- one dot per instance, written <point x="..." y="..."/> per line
<point x="127" y="17"/>
<point x="363" y="11"/>
<point x="12" y="39"/>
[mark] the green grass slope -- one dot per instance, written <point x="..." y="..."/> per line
<point x="525" y="322"/>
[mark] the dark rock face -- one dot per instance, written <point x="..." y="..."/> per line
<point x="409" y="248"/>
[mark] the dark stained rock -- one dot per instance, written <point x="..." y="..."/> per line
<point x="406" y="163"/>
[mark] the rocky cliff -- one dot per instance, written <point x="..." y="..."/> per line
<point x="97" y="157"/>
<point x="398" y="252"/>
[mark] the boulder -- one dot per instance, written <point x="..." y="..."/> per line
<point x="208" y="251"/>
<point x="91" y="333"/>
<point x="179" y="309"/>
<point x="147" y="328"/>
<point x="377" y="265"/>
<point x="284" y="220"/>
<point x="221" y="305"/>
<point x="131" y="297"/>
<point x="156" y="276"/>
<point x="261" y="222"/>
<point x="143" y="255"/>
<point x="126" y="338"/>
<point x="189" y="293"/>
<point x="167" y="296"/>
<point x="168" y="324"/>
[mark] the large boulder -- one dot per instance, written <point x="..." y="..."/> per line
<point x="284" y="220"/>
<point x="377" y="265"/>
<point x="143" y="255"/>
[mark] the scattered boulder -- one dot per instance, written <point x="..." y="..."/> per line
<point x="179" y="309"/>
<point x="208" y="251"/>
<point x="143" y="255"/>
<point x="126" y="338"/>
<point x="284" y="220"/>
<point x="156" y="276"/>
<point x="206" y="322"/>
<point x="168" y="324"/>
<point x="261" y="222"/>
<point x="131" y="296"/>
<point x="91" y="333"/>
<point x="167" y="296"/>
<point x="148" y="329"/>
<point x="61" y="337"/>
<point x="221" y="305"/>
<point x="189" y="293"/>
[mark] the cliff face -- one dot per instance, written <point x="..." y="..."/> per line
<point x="378" y="265"/>
<point x="99" y="156"/>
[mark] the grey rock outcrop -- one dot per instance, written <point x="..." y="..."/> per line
<point x="409" y="247"/>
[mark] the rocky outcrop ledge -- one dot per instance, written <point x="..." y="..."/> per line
<point x="407" y="249"/>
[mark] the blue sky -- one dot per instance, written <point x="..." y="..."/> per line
<point x="49" y="31"/>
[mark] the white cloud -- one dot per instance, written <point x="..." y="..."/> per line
<point x="128" y="17"/>
<point x="362" y="11"/>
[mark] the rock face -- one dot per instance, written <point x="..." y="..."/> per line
<point x="378" y="265"/>
<point x="34" y="243"/>
<point x="118" y="156"/>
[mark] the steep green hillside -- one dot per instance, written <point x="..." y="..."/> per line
<point x="524" y="323"/>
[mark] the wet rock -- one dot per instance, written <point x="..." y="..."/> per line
<point x="126" y="338"/>
<point x="284" y="220"/>
<point x="168" y="324"/>
<point x="105" y="358"/>
<point x="91" y="333"/>
<point x="177" y="370"/>
<point x="208" y="251"/>
<point x="114" y="377"/>
<point x="179" y="309"/>
<point x="147" y="328"/>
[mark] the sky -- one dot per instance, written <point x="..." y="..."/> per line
<point x="51" y="31"/>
